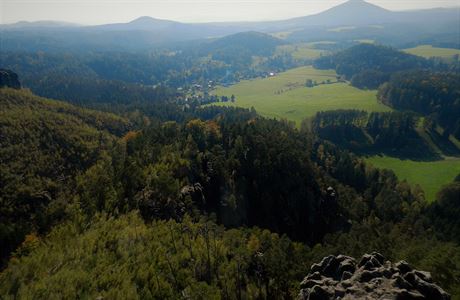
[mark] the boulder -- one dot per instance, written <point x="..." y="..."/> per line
<point x="339" y="277"/>
<point x="403" y="267"/>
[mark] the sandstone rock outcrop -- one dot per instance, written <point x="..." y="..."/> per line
<point x="372" y="277"/>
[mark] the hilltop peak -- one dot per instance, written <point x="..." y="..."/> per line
<point x="352" y="12"/>
<point x="359" y="3"/>
<point x="148" y="20"/>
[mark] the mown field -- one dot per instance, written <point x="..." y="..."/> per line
<point x="301" y="51"/>
<point x="342" y="29"/>
<point x="430" y="51"/>
<point x="286" y="96"/>
<point x="431" y="176"/>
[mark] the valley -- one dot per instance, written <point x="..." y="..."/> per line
<point x="285" y="95"/>
<point x="178" y="150"/>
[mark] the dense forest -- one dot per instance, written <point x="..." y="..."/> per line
<point x="119" y="193"/>
<point x="119" y="178"/>
<point x="44" y="145"/>
<point x="368" y="65"/>
<point x="425" y="93"/>
<point x="239" y="49"/>
<point x="391" y="133"/>
<point x="432" y="94"/>
<point x="92" y="78"/>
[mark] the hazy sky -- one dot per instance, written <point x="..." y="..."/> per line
<point x="110" y="11"/>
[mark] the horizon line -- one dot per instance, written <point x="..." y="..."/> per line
<point x="74" y="24"/>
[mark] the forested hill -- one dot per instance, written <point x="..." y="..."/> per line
<point x="433" y="94"/>
<point x="196" y="201"/>
<point x="123" y="78"/>
<point x="424" y="91"/>
<point x="390" y="133"/>
<point x="237" y="50"/>
<point x="254" y="42"/>
<point x="44" y="144"/>
<point x="368" y="65"/>
<point x="86" y="213"/>
<point x="23" y="99"/>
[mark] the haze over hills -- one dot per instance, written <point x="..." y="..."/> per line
<point x="363" y="21"/>
<point x="360" y="12"/>
<point x="38" y="24"/>
<point x="141" y="23"/>
<point x="353" y="12"/>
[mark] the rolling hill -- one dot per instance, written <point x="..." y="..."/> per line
<point x="141" y="23"/>
<point x="44" y="144"/>
<point x="241" y="45"/>
<point x="147" y="32"/>
<point x="353" y="12"/>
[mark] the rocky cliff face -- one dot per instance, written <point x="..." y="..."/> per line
<point x="373" y="277"/>
<point x="9" y="79"/>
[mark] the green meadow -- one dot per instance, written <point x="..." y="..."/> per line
<point x="365" y="41"/>
<point x="428" y="51"/>
<point x="300" y="51"/>
<point x="341" y="29"/>
<point x="282" y="34"/>
<point x="430" y="175"/>
<point x="285" y="95"/>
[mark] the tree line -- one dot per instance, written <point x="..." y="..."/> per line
<point x="367" y="66"/>
<point x="435" y="95"/>
<point x="391" y="133"/>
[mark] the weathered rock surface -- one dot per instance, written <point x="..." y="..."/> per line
<point x="9" y="79"/>
<point x="373" y="277"/>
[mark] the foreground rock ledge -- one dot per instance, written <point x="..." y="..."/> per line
<point x="341" y="277"/>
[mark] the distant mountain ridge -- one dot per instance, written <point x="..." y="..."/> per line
<point x="352" y="12"/>
<point x="38" y="24"/>
<point x="141" y="23"/>
<point x="147" y="32"/>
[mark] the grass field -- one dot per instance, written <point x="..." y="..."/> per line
<point x="282" y="34"/>
<point x="430" y="51"/>
<point x="300" y="51"/>
<point x="320" y="43"/>
<point x="286" y="97"/>
<point x="341" y="29"/>
<point x="364" y="41"/>
<point x="431" y="176"/>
